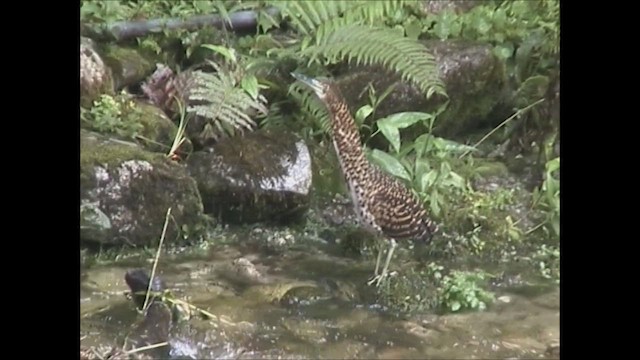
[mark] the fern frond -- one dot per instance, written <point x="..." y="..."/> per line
<point x="309" y="17"/>
<point x="382" y="46"/>
<point x="219" y="98"/>
<point x="312" y="105"/>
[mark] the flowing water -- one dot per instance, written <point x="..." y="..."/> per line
<point x="310" y="304"/>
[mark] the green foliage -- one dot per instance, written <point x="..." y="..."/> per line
<point x="548" y="197"/>
<point x="226" y="97"/>
<point x="107" y="116"/>
<point x="121" y="10"/>
<point x="355" y="31"/>
<point x="461" y="290"/>
<point x="524" y="33"/>
<point x="433" y="287"/>
<point x="424" y="163"/>
<point x="380" y="46"/>
<point x="317" y="19"/>
<point x="515" y="28"/>
<point x="547" y="259"/>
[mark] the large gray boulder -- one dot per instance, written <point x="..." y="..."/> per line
<point x="260" y="176"/>
<point x="125" y="192"/>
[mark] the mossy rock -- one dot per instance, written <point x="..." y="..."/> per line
<point x="134" y="188"/>
<point x="137" y="121"/>
<point x="129" y="66"/>
<point x="474" y="77"/>
<point x="96" y="77"/>
<point x="158" y="131"/>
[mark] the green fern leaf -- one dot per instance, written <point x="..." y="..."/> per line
<point x="220" y="99"/>
<point x="370" y="45"/>
<point x="313" y="17"/>
<point x="312" y="105"/>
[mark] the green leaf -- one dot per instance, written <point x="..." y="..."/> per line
<point x="453" y="179"/>
<point x="499" y="18"/>
<point x="555" y="225"/>
<point x="422" y="166"/>
<point x="420" y="145"/>
<point x="455" y="305"/>
<point x="389" y="164"/>
<point x="363" y="113"/>
<point x="390" y="125"/>
<point x="434" y="202"/>
<point x="229" y="54"/>
<point x="553" y="165"/>
<point x="503" y="51"/>
<point x="250" y="85"/>
<point x="413" y="29"/>
<point x="427" y="180"/>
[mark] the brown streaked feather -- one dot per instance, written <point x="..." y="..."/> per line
<point x="382" y="202"/>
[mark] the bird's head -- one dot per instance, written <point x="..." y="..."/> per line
<point x="322" y="88"/>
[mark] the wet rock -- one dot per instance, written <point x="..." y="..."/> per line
<point x="128" y="65"/>
<point x="274" y="293"/>
<point x="114" y="353"/>
<point x="157" y="130"/>
<point x="550" y="300"/>
<point x="153" y="329"/>
<point x="304" y="295"/>
<point x="276" y="241"/>
<point x="163" y="87"/>
<point x="553" y="350"/>
<point x="138" y="282"/>
<point x="475" y="81"/>
<point x="399" y="353"/>
<point x="261" y="176"/>
<point x="307" y="330"/>
<point x="95" y="75"/>
<point x="244" y="271"/>
<point x="133" y="189"/>
<point x="162" y="323"/>
<point x="419" y="331"/>
<point x="348" y="349"/>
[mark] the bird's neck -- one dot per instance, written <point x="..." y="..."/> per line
<point x="346" y="139"/>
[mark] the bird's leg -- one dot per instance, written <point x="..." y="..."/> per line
<point x="376" y="276"/>
<point x="378" y="261"/>
<point x="386" y="263"/>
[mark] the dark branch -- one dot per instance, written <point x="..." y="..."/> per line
<point x="124" y="30"/>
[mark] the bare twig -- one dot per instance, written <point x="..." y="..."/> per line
<point x="518" y="113"/>
<point x="155" y="262"/>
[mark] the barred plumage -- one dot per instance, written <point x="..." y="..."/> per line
<point x="383" y="204"/>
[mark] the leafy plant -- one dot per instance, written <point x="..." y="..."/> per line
<point x="524" y="34"/>
<point x="461" y="290"/>
<point x="227" y="97"/>
<point x="355" y="31"/>
<point x="423" y="163"/>
<point x="106" y="115"/>
<point x="548" y="197"/>
<point x="547" y="259"/>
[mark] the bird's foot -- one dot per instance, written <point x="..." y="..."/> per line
<point x="377" y="279"/>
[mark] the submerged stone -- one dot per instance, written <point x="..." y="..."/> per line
<point x="125" y="193"/>
<point x="261" y="176"/>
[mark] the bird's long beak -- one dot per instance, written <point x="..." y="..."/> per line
<point x="314" y="84"/>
